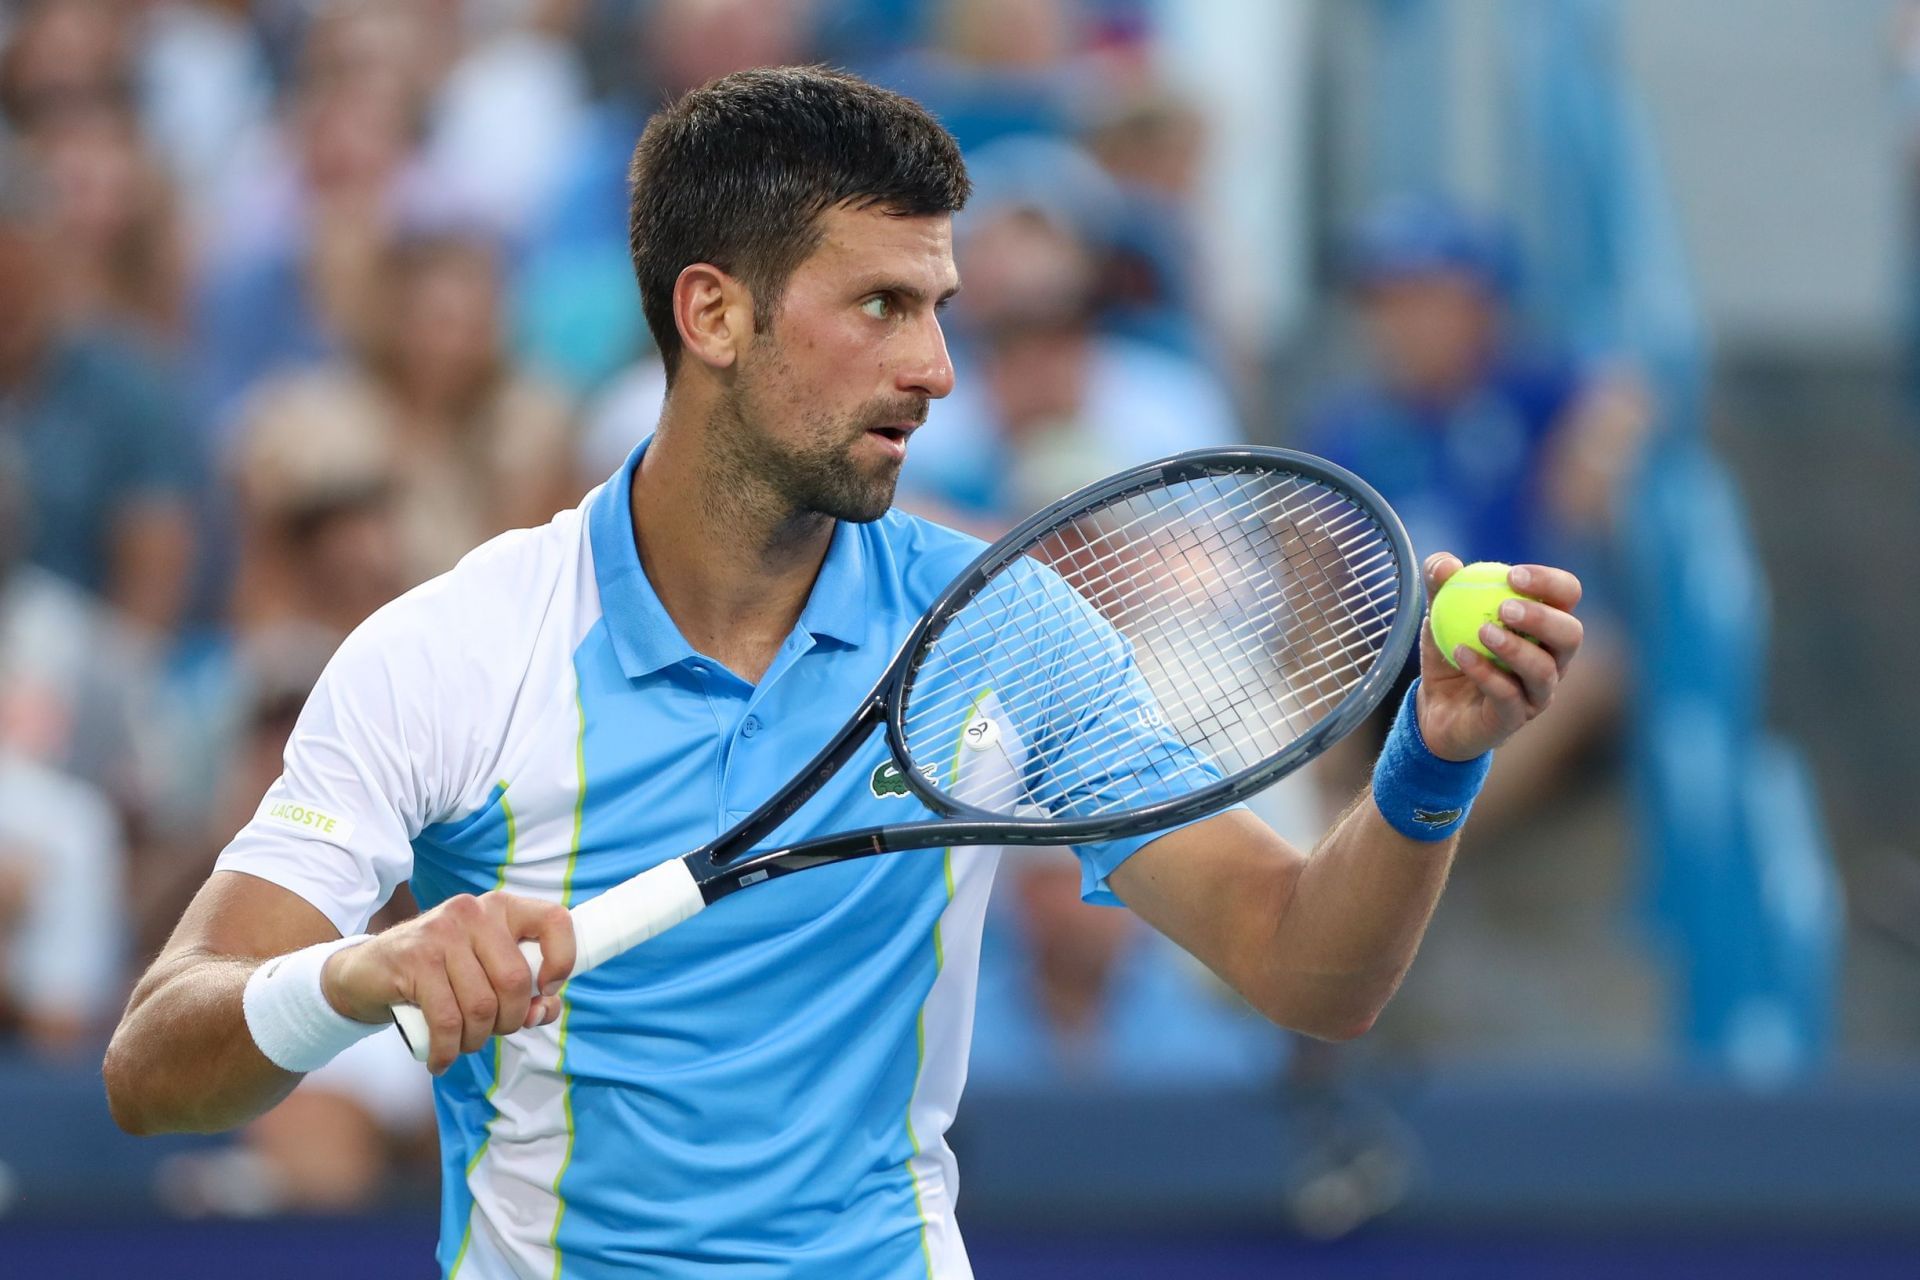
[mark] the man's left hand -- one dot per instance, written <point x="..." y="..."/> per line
<point x="1470" y="710"/>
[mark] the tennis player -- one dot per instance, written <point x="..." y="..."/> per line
<point x="764" y="1090"/>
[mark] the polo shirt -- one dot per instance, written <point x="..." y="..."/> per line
<point x="762" y="1091"/>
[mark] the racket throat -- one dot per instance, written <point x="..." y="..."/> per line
<point x="718" y="876"/>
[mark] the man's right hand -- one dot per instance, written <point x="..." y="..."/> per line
<point x="461" y="963"/>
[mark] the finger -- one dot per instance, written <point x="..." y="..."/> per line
<point x="1555" y="630"/>
<point x="551" y="925"/>
<point x="1502" y="688"/>
<point x="1533" y="665"/>
<point x="1440" y="566"/>
<point x="444" y="1023"/>
<point x="507" y="974"/>
<point x="474" y="992"/>
<point x="543" y="1010"/>
<point x="1543" y="582"/>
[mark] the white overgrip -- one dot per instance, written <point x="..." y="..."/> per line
<point x="633" y="911"/>
<point x="621" y="918"/>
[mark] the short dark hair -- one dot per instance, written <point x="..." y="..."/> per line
<point x="738" y="172"/>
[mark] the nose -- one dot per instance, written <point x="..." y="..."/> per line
<point x="930" y="372"/>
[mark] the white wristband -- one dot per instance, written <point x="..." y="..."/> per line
<point x="288" y="1013"/>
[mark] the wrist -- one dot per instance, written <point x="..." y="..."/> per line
<point x="1422" y="795"/>
<point x="1418" y="696"/>
<point x="293" y="1020"/>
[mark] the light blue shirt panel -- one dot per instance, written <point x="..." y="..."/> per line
<point x="450" y="859"/>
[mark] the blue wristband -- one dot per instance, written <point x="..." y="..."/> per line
<point x="1420" y="795"/>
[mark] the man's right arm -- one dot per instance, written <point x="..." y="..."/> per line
<point x="184" y="1059"/>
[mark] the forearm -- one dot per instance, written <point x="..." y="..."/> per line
<point x="183" y="1059"/>
<point x="1348" y="932"/>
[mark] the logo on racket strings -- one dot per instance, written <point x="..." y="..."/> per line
<point x="981" y="732"/>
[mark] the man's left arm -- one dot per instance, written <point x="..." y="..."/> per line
<point x="1320" y="941"/>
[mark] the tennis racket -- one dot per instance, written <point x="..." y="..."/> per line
<point x="1142" y="653"/>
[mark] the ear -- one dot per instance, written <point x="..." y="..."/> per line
<point x="714" y="314"/>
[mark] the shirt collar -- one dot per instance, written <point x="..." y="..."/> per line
<point x="645" y="638"/>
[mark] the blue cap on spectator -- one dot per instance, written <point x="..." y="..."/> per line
<point x="1412" y="236"/>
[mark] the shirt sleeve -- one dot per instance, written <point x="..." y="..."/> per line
<point x="1093" y="737"/>
<point x="362" y="776"/>
<point x="1127" y="753"/>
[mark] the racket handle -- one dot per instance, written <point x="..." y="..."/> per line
<point x="621" y="918"/>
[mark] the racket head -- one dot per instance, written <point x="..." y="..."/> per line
<point x="1244" y="608"/>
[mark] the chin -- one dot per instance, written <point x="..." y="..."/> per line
<point x="864" y="512"/>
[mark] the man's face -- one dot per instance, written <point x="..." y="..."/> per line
<point x="1431" y="334"/>
<point x="824" y="399"/>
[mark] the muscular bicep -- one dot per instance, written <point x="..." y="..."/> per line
<point x="1219" y="888"/>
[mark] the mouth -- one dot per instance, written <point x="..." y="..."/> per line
<point x="893" y="435"/>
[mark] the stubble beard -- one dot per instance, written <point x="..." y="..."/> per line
<point x="784" y="482"/>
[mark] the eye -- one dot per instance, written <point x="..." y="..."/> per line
<point x="879" y="306"/>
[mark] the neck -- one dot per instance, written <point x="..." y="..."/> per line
<point x="731" y="567"/>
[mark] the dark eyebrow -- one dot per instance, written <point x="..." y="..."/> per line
<point x="911" y="292"/>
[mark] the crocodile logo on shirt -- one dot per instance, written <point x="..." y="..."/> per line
<point x="889" y="781"/>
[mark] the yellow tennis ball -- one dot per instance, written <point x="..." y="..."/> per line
<point x="1465" y="602"/>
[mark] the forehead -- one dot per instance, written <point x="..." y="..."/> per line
<point x="858" y="244"/>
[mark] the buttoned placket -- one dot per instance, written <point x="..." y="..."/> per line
<point x="744" y="723"/>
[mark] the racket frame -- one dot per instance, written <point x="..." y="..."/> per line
<point x="729" y="862"/>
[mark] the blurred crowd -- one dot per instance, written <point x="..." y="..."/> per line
<point x="300" y="300"/>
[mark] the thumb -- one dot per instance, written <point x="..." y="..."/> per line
<point x="1440" y="566"/>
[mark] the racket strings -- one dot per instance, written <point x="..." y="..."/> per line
<point x="1213" y="719"/>
<point x="1226" y="708"/>
<point x="1252" y="602"/>
<point x="1264" y="626"/>
<point x="1210" y="718"/>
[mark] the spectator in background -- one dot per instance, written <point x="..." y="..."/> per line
<point x="576" y="311"/>
<point x="121" y="254"/>
<point x="1047" y="401"/>
<point x="204" y="89"/>
<point x="1151" y="141"/>
<point x="294" y="252"/>
<point x="62" y="932"/>
<point x="508" y="110"/>
<point x="1484" y="447"/>
<point x="76" y="689"/>
<point x="315" y="479"/>
<point x="1075" y="994"/>
<point x="64" y="699"/>
<point x="998" y="68"/>
<point x="369" y="476"/>
<point x="110" y="464"/>
<point x="60" y="53"/>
